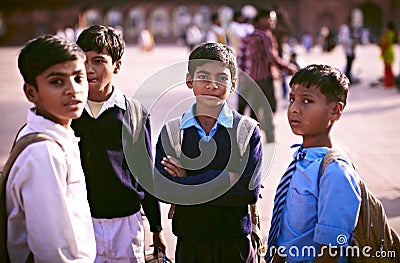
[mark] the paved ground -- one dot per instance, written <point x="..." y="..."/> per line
<point x="368" y="131"/>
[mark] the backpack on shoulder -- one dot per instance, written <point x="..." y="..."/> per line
<point x="244" y="132"/>
<point x="136" y="115"/>
<point x="373" y="234"/>
<point x="16" y="149"/>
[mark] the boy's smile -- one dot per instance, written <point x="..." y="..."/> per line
<point x="211" y="83"/>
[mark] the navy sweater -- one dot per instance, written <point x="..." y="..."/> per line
<point x="113" y="190"/>
<point x="226" y="216"/>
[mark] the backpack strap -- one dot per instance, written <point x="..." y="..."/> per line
<point x="175" y="134"/>
<point x="245" y="129"/>
<point x="244" y="132"/>
<point x="20" y="145"/>
<point x="136" y="114"/>
<point x="332" y="155"/>
<point x="17" y="148"/>
<point x="336" y="154"/>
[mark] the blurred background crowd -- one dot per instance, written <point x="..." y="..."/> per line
<point x="308" y="22"/>
<point x="305" y="23"/>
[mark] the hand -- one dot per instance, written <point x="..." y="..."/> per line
<point x="292" y="69"/>
<point x="158" y="243"/>
<point x="173" y="166"/>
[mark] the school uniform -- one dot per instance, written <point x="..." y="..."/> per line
<point x="46" y="199"/>
<point x="115" y="195"/>
<point x="216" y="230"/>
<point x="318" y="209"/>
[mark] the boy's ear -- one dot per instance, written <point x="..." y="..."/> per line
<point x="189" y="80"/>
<point x="31" y="92"/>
<point x="233" y="85"/>
<point x="337" y="110"/>
<point x="117" y="66"/>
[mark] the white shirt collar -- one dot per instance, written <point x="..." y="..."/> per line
<point x="37" y="123"/>
<point x="117" y="98"/>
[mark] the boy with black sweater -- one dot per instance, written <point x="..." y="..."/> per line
<point x="211" y="220"/>
<point x="115" y="196"/>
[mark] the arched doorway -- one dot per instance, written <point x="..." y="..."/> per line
<point x="160" y="22"/>
<point x="136" y="21"/>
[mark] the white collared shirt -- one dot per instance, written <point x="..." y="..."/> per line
<point x="117" y="98"/>
<point x="46" y="199"/>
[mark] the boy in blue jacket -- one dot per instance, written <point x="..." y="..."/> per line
<point x="211" y="218"/>
<point x="314" y="216"/>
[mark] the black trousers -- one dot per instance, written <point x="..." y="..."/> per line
<point x="214" y="251"/>
<point x="349" y="63"/>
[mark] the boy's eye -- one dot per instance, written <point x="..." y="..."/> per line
<point x="223" y="79"/>
<point x="291" y="100"/>
<point x="58" y="82"/>
<point x="202" y="77"/>
<point x="306" y="101"/>
<point x="99" y="61"/>
<point x="79" y="79"/>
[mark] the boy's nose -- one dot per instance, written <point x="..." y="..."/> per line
<point x="212" y="84"/>
<point x="89" y="67"/>
<point x="293" y="108"/>
<point x="73" y="87"/>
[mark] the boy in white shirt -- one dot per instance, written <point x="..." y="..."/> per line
<point x="48" y="216"/>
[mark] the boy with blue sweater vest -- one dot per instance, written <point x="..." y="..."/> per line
<point x="318" y="213"/>
<point x="212" y="219"/>
<point x="115" y="196"/>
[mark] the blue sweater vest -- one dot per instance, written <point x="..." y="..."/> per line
<point x="226" y="216"/>
<point x="113" y="191"/>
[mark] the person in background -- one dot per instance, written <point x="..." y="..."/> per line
<point x="236" y="30"/>
<point x="386" y="44"/>
<point x="347" y="39"/>
<point x="257" y="55"/>
<point x="216" y="33"/>
<point x="193" y="36"/>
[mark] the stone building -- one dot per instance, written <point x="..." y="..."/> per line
<point x="21" y="20"/>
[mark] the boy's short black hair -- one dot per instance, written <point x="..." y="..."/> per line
<point x="43" y="52"/>
<point x="212" y="51"/>
<point x="98" y="38"/>
<point x="331" y="81"/>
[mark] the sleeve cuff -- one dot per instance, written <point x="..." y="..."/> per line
<point x="156" y="229"/>
<point x="332" y="236"/>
